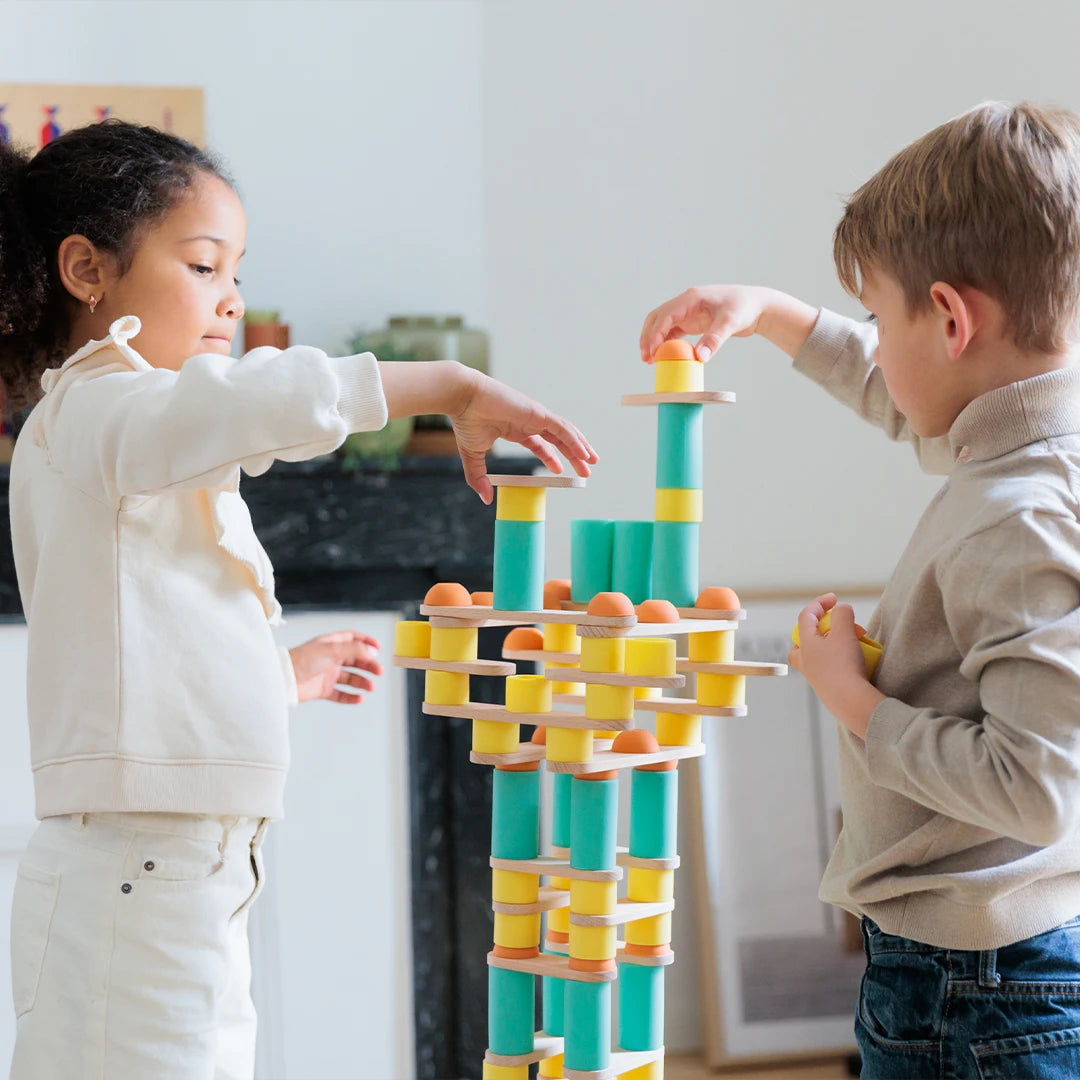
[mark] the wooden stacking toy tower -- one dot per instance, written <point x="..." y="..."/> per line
<point x="607" y="645"/>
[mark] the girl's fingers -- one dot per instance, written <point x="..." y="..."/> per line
<point x="539" y="446"/>
<point x="352" y="678"/>
<point x="474" y="465"/>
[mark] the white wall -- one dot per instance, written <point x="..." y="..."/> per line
<point x="352" y="129"/>
<point x="632" y="149"/>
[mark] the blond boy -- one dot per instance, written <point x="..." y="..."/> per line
<point x="960" y="762"/>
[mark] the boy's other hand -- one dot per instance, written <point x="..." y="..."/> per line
<point x="490" y="410"/>
<point x="330" y="665"/>
<point x="717" y="312"/>
<point x="833" y="664"/>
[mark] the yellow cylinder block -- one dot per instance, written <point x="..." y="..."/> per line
<point x="569" y="744"/>
<point x="607" y="654"/>
<point x="679" y="504"/>
<point x="652" y="931"/>
<point x="520" y="503"/>
<point x="679" y="376"/>
<point x="412" y="638"/>
<point x="453" y="644"/>
<point x="566" y="687"/>
<point x="675" y="729"/>
<point x="716" y="647"/>
<point x="507" y="1072"/>
<point x="593" y="897"/>
<point x="528" y="694"/>
<point x="608" y="703"/>
<point x="513" y="887"/>
<point x="559" y="920"/>
<point x="446" y="688"/>
<point x="650" y="886"/>
<point x="552" y="1068"/>
<point x="650" y="656"/>
<point x="517" y="931"/>
<point x="495" y="737"/>
<point x="561" y="637"/>
<point x="721" y="689"/>
<point x="593" y="942"/>
<point x="643" y="692"/>
<point x="653" y="1070"/>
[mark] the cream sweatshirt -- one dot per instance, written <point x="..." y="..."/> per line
<point x="154" y="682"/>
<point x="962" y="807"/>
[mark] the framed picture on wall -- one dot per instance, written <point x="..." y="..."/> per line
<point x="33" y="114"/>
<point x="780" y="970"/>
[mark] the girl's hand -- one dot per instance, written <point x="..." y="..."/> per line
<point x="489" y="410"/>
<point x="833" y="664"/>
<point x="331" y="661"/>
<point x="717" y="312"/>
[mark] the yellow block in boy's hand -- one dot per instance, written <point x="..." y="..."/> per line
<point x="871" y="649"/>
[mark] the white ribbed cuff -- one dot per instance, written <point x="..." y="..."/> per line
<point x="292" y="694"/>
<point x="361" y="401"/>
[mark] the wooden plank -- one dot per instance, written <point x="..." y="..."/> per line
<point x="625" y="911"/>
<point x="497" y="616"/>
<point x="551" y="866"/>
<point x="543" y="656"/>
<point x="482" y="710"/>
<point x="525" y="752"/>
<point x="710" y="613"/>
<point x="653" y="629"/>
<point x="608" y="759"/>
<point x="626" y="859"/>
<point x="544" y="1046"/>
<point x="611" y="678"/>
<point x="730" y="667"/>
<point x="549" y="899"/>
<point x="545" y="480"/>
<point x="682" y="397"/>
<point x="622" y="1062"/>
<point x="552" y="965"/>
<point x="623" y="957"/>
<point x="458" y="667"/>
<point x="686" y="707"/>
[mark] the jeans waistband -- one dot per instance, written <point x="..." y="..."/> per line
<point x="106" y="828"/>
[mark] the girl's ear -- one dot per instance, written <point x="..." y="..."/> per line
<point x="958" y="316"/>
<point x="84" y="270"/>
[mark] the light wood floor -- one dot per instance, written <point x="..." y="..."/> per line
<point x="682" y="1067"/>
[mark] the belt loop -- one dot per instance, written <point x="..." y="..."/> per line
<point x="988" y="973"/>
<point x="230" y="824"/>
<point x="865" y="937"/>
<point x="82" y="821"/>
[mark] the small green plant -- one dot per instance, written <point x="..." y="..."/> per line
<point x="262" y="316"/>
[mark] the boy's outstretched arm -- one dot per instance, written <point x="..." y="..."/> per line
<point x="482" y="410"/>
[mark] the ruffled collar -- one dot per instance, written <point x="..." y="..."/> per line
<point x="120" y="332"/>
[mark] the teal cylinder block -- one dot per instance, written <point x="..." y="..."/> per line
<point x="675" y="561"/>
<point x="554" y="1003"/>
<point x="511" y="1011"/>
<point x="560" y="810"/>
<point x="591" y="544"/>
<point x="593" y="823"/>
<point x="679" y="446"/>
<point x="518" y="573"/>
<point x="587" y="1041"/>
<point x="631" y="562"/>
<point x="515" y="814"/>
<point x="654" y="808"/>
<point x="641" y="1007"/>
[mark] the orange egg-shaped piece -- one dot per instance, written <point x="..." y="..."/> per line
<point x="555" y="592"/>
<point x="675" y="349"/>
<point x="483" y="599"/>
<point x="635" y="741"/>
<point x="448" y="594"/>
<point x="657" y="611"/>
<point x="718" y="598"/>
<point x="610" y="604"/>
<point x="524" y="637"/>
<point x="539" y="736"/>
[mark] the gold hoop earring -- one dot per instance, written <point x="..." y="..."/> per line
<point x="93" y="303"/>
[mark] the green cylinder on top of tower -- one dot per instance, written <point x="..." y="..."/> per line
<point x="591" y="549"/>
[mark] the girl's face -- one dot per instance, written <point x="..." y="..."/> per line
<point x="182" y="282"/>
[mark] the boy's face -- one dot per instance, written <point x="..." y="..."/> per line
<point x="182" y="279"/>
<point x="924" y="384"/>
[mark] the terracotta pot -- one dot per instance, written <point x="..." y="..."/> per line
<point x="256" y="334"/>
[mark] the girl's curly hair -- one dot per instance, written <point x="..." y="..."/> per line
<point x="106" y="182"/>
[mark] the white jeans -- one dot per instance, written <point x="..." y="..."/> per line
<point x="129" y="948"/>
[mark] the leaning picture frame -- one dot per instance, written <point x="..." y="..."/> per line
<point x="779" y="970"/>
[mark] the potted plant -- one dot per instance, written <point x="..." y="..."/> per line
<point x="263" y="326"/>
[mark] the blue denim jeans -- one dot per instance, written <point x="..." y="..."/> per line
<point x="949" y="1014"/>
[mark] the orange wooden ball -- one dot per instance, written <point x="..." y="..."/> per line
<point x="608" y="774"/>
<point x="448" y="594"/>
<point x="539" y="736"/>
<point x="657" y="611"/>
<point x="718" y="598"/>
<point x="555" y="592"/>
<point x="483" y="599"/>
<point x="635" y="741"/>
<point x="524" y="637"/>
<point x="675" y="349"/>
<point x="610" y="604"/>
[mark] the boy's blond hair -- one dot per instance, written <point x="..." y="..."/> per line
<point x="990" y="199"/>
